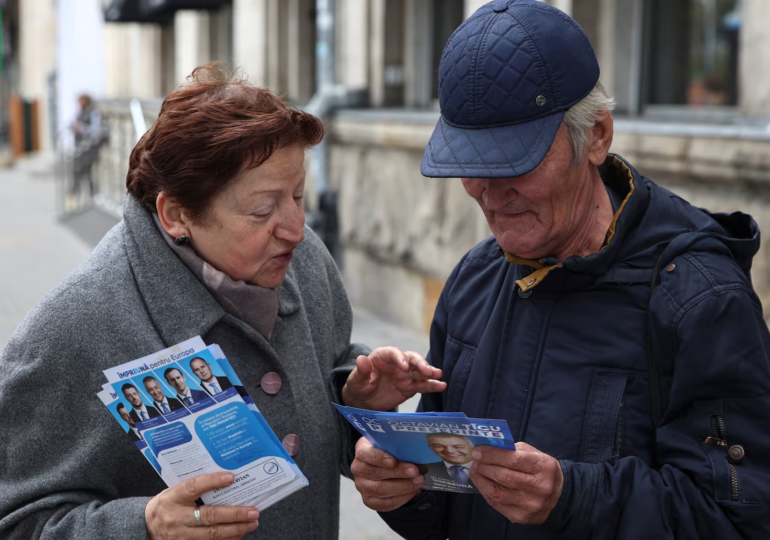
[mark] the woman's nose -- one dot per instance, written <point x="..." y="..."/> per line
<point x="291" y="226"/>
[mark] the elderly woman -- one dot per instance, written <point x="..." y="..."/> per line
<point x="212" y="243"/>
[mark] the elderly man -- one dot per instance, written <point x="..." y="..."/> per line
<point x="612" y="324"/>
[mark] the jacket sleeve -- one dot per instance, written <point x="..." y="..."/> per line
<point x="719" y="387"/>
<point x="424" y="517"/>
<point x="345" y="354"/>
<point x="58" y="479"/>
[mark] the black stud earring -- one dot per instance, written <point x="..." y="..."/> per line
<point x="182" y="240"/>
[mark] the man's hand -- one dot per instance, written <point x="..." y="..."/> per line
<point x="523" y="485"/>
<point x="388" y="377"/>
<point x="384" y="483"/>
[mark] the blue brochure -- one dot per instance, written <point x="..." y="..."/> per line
<point x="439" y="443"/>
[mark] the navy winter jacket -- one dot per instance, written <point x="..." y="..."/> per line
<point x="565" y="355"/>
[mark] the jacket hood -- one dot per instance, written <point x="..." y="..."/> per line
<point x="651" y="225"/>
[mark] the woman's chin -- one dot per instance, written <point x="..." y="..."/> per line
<point x="271" y="280"/>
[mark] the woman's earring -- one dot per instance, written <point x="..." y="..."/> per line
<point x="182" y="240"/>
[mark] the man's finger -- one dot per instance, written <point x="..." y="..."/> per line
<point x="518" y="460"/>
<point x="386" y="505"/>
<point x="497" y="494"/>
<point x="370" y="455"/>
<point x="386" y="489"/>
<point x="215" y="515"/>
<point x="190" y="490"/>
<point x="506" y="477"/>
<point x="400" y="471"/>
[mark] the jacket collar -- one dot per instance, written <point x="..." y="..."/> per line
<point x="179" y="305"/>
<point x="617" y="174"/>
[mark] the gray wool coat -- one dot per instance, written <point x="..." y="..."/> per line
<point x="67" y="469"/>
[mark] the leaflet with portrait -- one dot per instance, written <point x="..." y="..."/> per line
<point x="440" y="444"/>
<point x="186" y="410"/>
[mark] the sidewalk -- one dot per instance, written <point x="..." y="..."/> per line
<point x="37" y="251"/>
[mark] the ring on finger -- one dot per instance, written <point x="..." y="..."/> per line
<point x="197" y="515"/>
<point x="410" y="375"/>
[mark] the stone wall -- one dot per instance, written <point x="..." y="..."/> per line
<point x="404" y="233"/>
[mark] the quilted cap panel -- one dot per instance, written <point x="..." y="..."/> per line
<point x="507" y="75"/>
<point x="499" y="152"/>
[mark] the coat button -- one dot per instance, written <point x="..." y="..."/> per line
<point x="670" y="267"/>
<point x="736" y="452"/>
<point x="271" y="383"/>
<point x="524" y="294"/>
<point x="291" y="444"/>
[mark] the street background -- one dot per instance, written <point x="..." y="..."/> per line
<point x="691" y="79"/>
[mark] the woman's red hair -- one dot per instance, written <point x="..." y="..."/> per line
<point x="208" y="131"/>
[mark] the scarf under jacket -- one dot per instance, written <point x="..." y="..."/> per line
<point x="255" y="305"/>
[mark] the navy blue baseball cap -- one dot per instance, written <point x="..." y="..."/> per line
<point x="507" y="76"/>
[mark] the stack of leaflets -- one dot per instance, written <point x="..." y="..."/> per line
<point x="186" y="410"/>
<point x="440" y="444"/>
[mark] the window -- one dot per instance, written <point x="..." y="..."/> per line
<point x="692" y="52"/>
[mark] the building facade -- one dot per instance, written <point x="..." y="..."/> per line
<point x="691" y="79"/>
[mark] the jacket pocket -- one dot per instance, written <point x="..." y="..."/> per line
<point x="732" y="433"/>
<point x="458" y="358"/>
<point x="603" y="422"/>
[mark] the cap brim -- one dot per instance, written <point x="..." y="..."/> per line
<point x="496" y="152"/>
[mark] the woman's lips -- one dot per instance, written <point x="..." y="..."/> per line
<point x="284" y="258"/>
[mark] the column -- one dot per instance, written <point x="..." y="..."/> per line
<point x="377" y="52"/>
<point x="37" y="58"/>
<point x="418" y="53"/>
<point x="191" y="42"/>
<point x="754" y="59"/>
<point x="352" y="43"/>
<point x="250" y="38"/>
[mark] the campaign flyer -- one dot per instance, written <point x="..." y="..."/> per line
<point x="440" y="444"/>
<point x="191" y="416"/>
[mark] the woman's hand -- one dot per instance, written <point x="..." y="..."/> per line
<point x="388" y="377"/>
<point x="171" y="514"/>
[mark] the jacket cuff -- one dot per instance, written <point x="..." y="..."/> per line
<point x="572" y="513"/>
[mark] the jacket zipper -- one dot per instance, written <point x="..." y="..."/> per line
<point x="719" y="438"/>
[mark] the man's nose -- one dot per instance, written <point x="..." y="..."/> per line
<point x="498" y="194"/>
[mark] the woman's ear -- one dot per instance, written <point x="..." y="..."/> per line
<point x="171" y="216"/>
<point x="601" y="139"/>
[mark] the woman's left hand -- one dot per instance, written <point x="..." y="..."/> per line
<point x="388" y="377"/>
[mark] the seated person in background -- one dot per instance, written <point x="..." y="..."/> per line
<point x="210" y="383"/>
<point x="164" y="404"/>
<point x="133" y="432"/>
<point x="140" y="411"/>
<point x="178" y="381"/>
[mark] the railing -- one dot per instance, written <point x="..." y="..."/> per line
<point x="92" y="174"/>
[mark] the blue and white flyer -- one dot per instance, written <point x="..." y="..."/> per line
<point x="192" y="416"/>
<point x="440" y="444"/>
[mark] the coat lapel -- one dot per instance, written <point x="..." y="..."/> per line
<point x="179" y="305"/>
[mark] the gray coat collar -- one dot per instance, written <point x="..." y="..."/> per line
<point x="179" y="305"/>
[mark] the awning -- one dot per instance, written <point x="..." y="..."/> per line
<point x="156" y="6"/>
<point x="132" y="11"/>
<point x="153" y="11"/>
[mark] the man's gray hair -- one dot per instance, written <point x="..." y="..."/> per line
<point x="582" y="117"/>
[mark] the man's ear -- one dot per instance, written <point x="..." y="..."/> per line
<point x="601" y="139"/>
<point x="171" y="216"/>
